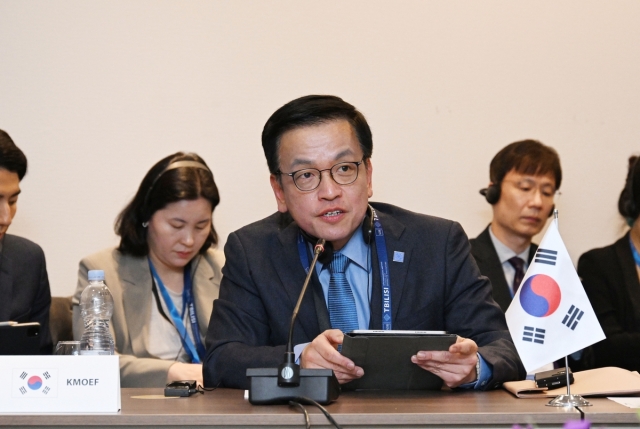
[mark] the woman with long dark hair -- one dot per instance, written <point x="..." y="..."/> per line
<point x="610" y="276"/>
<point x="163" y="271"/>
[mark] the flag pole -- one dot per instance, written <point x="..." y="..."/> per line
<point x="566" y="372"/>
<point x="567" y="400"/>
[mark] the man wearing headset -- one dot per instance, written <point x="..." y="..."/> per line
<point x="524" y="177"/>
<point x="318" y="149"/>
<point x="24" y="284"/>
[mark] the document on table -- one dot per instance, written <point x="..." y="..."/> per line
<point x="628" y="402"/>
<point x="606" y="381"/>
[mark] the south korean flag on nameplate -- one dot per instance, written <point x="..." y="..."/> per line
<point x="550" y="316"/>
<point x="34" y="383"/>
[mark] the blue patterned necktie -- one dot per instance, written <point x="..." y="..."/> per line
<point x="342" y="305"/>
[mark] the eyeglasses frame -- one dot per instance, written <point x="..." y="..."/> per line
<point x="357" y="163"/>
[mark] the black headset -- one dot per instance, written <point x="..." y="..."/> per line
<point x="629" y="204"/>
<point x="327" y="255"/>
<point x="492" y="195"/>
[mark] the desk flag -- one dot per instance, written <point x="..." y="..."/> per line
<point x="550" y="316"/>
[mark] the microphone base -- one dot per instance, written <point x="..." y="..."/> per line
<point x="321" y="385"/>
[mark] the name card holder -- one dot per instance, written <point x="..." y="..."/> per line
<point x="59" y="384"/>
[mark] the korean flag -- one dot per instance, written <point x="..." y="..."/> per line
<point x="550" y="316"/>
<point x="34" y="383"/>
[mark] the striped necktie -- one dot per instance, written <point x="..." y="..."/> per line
<point x="342" y="305"/>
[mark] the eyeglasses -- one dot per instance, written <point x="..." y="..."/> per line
<point x="308" y="179"/>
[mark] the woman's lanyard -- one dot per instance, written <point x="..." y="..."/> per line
<point x="197" y="352"/>
<point x="381" y="251"/>
<point x="636" y="256"/>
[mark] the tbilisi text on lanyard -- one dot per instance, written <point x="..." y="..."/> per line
<point x="381" y="251"/>
<point x="196" y="352"/>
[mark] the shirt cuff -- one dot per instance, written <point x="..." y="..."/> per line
<point x="297" y="350"/>
<point x="484" y="375"/>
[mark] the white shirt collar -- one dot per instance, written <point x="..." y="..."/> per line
<point x="504" y="252"/>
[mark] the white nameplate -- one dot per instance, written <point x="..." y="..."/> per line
<point x="59" y="384"/>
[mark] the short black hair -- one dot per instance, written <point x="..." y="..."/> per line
<point x="629" y="201"/>
<point x="11" y="157"/>
<point x="312" y="110"/>
<point x="526" y="157"/>
<point x="159" y="188"/>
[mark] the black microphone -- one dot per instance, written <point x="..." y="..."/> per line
<point x="288" y="381"/>
<point x="289" y="371"/>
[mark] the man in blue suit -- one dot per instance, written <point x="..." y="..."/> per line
<point x="24" y="285"/>
<point x="318" y="149"/>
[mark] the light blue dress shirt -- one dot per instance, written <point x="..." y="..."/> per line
<point x="358" y="273"/>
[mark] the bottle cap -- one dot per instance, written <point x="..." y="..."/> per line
<point x="96" y="275"/>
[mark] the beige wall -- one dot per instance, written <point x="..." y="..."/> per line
<point x="96" y="92"/>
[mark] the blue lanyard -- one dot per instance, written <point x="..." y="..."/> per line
<point x="302" y="250"/>
<point x="381" y="250"/>
<point x="636" y="256"/>
<point x="197" y="352"/>
<point x="383" y="260"/>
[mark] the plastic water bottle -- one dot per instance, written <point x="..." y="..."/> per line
<point x="96" y="306"/>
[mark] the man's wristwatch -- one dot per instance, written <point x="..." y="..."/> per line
<point x="478" y="367"/>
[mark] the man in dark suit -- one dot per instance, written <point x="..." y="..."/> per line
<point x="524" y="178"/>
<point x="318" y="149"/>
<point x="24" y="285"/>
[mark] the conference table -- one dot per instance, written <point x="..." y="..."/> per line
<point x="228" y="408"/>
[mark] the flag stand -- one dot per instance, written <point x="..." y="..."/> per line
<point x="568" y="400"/>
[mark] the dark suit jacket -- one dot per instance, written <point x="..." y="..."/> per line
<point x="24" y="286"/>
<point x="487" y="259"/>
<point x="437" y="287"/>
<point x="610" y="279"/>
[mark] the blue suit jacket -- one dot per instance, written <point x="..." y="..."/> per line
<point x="24" y="286"/>
<point x="437" y="287"/>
